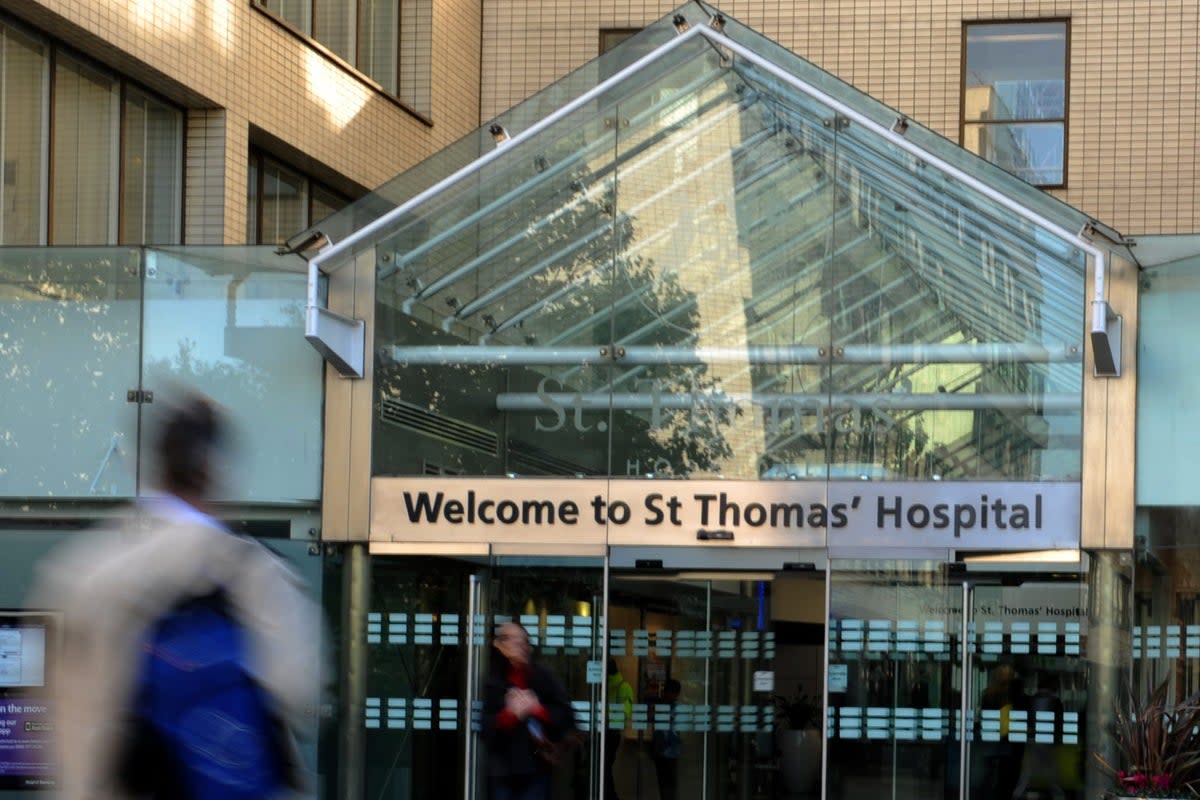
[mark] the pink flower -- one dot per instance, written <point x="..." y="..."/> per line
<point x="1161" y="781"/>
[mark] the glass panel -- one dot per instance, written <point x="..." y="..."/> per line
<point x="1016" y="71"/>
<point x="152" y="194"/>
<point x="455" y="156"/>
<point x="724" y="671"/>
<point x="325" y="202"/>
<point x="378" y="40"/>
<point x="23" y="105"/>
<point x="284" y="201"/>
<point x="229" y="322"/>
<point x="1028" y="656"/>
<point x="895" y="680"/>
<point x="957" y="350"/>
<point x="559" y="601"/>
<point x="1031" y="151"/>
<point x="69" y="329"/>
<point x="514" y="262"/>
<point x="723" y="214"/>
<point x="1166" y="633"/>
<point x="86" y="113"/>
<point x="1168" y="429"/>
<point x="23" y="553"/>
<point x="417" y="629"/>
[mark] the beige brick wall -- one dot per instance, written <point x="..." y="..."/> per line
<point x="227" y="55"/>
<point x="1133" y="76"/>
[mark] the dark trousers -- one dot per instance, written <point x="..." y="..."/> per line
<point x="667" y="772"/>
<point x="612" y="743"/>
<point x="525" y="787"/>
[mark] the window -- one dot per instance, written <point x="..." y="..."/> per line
<point x="103" y="166"/>
<point x="284" y="201"/>
<point x="391" y="41"/>
<point x="1014" y="98"/>
<point x="24" y="63"/>
<point x="611" y="37"/>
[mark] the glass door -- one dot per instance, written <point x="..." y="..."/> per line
<point x="559" y="600"/>
<point x="418" y="663"/>
<point x="714" y="674"/>
<point x="429" y="634"/>
<point x="901" y="683"/>
<point x="895" y="680"/>
<point x="1028" y="683"/>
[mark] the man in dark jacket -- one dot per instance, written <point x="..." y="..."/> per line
<point x="526" y="714"/>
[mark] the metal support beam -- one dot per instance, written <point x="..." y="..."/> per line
<point x="883" y="355"/>
<point x="1063" y="403"/>
<point x="1110" y="338"/>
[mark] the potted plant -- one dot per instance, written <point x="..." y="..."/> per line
<point x="798" y="739"/>
<point x="1158" y="742"/>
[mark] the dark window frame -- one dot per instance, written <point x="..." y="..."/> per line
<point x="56" y="49"/>
<point x="963" y="122"/>
<point x="624" y="33"/>
<point x="255" y="166"/>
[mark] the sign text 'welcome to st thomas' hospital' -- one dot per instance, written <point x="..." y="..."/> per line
<point x="962" y="516"/>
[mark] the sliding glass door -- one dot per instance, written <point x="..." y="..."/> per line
<point x="920" y="651"/>
<point x="719" y="655"/>
<point x="429" y="634"/>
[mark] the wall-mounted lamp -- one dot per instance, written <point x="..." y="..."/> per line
<point x="499" y="134"/>
<point x="304" y="244"/>
<point x="680" y="22"/>
<point x="1106" y="340"/>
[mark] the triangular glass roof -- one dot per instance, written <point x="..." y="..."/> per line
<point x="721" y="216"/>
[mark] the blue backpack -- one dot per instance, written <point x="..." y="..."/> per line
<point x="202" y="727"/>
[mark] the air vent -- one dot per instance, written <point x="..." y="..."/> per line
<point x="526" y="459"/>
<point x="436" y="426"/>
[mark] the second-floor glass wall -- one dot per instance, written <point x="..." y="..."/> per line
<point x="90" y="336"/>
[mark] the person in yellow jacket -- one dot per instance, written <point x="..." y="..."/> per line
<point x="620" y="704"/>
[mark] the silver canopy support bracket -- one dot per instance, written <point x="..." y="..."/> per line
<point x="1106" y="340"/>
<point x="340" y="340"/>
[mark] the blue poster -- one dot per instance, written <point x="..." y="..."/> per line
<point x="25" y="740"/>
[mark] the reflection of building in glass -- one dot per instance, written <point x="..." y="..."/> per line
<point x="1027" y="149"/>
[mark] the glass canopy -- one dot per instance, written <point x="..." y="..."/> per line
<point x="702" y="256"/>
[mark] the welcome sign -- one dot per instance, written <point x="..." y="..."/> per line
<point x="866" y="514"/>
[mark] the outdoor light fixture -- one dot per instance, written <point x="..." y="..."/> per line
<point x="1106" y="324"/>
<point x="1106" y="340"/>
<point x="312" y="240"/>
<point x="499" y="134"/>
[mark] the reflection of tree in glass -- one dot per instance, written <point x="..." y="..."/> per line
<point x="582" y="282"/>
<point x="234" y="382"/>
<point x="68" y="354"/>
